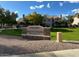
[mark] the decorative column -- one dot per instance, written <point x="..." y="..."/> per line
<point x="59" y="37"/>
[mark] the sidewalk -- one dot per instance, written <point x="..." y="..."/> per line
<point x="63" y="53"/>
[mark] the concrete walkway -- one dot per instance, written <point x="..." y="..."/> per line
<point x="63" y="53"/>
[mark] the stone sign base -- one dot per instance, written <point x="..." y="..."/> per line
<point x="37" y="33"/>
<point x="36" y="37"/>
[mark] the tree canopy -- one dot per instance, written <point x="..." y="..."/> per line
<point x="34" y="18"/>
<point x="7" y="17"/>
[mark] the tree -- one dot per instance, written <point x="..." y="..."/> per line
<point x="70" y="20"/>
<point x="26" y="21"/>
<point x="13" y="18"/>
<point x="34" y="18"/>
<point x="2" y="16"/>
<point x="77" y="15"/>
<point x="10" y="18"/>
<point x="7" y="17"/>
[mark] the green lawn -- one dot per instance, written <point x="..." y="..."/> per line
<point x="68" y="33"/>
<point x="12" y="32"/>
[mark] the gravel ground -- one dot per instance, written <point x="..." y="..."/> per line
<point x="17" y="46"/>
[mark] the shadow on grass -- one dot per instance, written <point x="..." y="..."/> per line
<point x="60" y="30"/>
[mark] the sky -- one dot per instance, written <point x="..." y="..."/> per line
<point x="52" y="8"/>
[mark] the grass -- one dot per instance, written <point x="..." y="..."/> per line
<point x="12" y="32"/>
<point x="68" y="33"/>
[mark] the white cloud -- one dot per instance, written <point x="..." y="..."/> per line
<point x="40" y="6"/>
<point x="36" y="7"/>
<point x="48" y="5"/>
<point x="65" y="15"/>
<point x="75" y="10"/>
<point x="73" y="1"/>
<point x="61" y="4"/>
<point x="16" y="12"/>
<point x="32" y="7"/>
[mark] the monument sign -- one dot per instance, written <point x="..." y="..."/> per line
<point x="37" y="32"/>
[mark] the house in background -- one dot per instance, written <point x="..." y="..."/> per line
<point x="76" y="21"/>
<point x="47" y="21"/>
<point x="51" y="20"/>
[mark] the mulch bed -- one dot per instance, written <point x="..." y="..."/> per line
<point x="18" y="47"/>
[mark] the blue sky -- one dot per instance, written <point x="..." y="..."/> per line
<point x="43" y="7"/>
